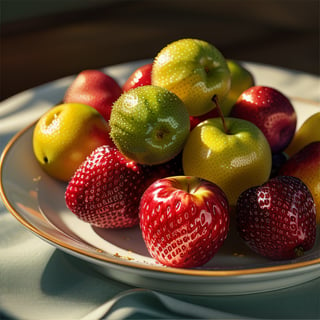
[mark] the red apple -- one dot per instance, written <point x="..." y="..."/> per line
<point x="305" y="165"/>
<point x="184" y="220"/>
<point x="140" y="77"/>
<point x="271" y="111"/>
<point x="96" y="89"/>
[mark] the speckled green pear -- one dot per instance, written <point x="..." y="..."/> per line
<point x="149" y="124"/>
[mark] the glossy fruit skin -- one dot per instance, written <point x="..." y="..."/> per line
<point x="195" y="71"/>
<point x="149" y="124"/>
<point x="307" y="133"/>
<point x="184" y="220"/>
<point x="234" y="161"/>
<point x="305" y="165"/>
<point x="96" y="89"/>
<point x="271" y="112"/>
<point x="106" y="189"/>
<point x="241" y="80"/>
<point x="278" y="219"/>
<point x="140" y="77"/>
<point x="65" y="135"/>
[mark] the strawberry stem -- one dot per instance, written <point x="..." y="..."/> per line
<point x="299" y="252"/>
<point x="216" y="102"/>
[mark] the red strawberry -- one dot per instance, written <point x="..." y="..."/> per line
<point x="106" y="189"/>
<point x="184" y="220"/>
<point x="278" y="219"/>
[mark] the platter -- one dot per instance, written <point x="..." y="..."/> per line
<point x="37" y="202"/>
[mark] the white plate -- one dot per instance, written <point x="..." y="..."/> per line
<point x="37" y="201"/>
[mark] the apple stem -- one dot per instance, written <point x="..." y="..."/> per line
<point x="216" y="102"/>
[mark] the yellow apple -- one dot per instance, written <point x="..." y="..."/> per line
<point x="235" y="160"/>
<point x="65" y="135"/>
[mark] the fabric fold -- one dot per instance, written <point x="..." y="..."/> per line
<point x="149" y="304"/>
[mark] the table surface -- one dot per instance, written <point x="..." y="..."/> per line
<point x="47" y="46"/>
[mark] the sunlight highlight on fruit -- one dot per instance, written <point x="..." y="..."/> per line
<point x="149" y="124"/>
<point x="195" y="71"/>
<point x="65" y="135"/>
<point x="234" y="161"/>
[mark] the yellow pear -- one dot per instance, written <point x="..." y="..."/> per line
<point x="65" y="135"/>
<point x="308" y="132"/>
<point x="241" y="80"/>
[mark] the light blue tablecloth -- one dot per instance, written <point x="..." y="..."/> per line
<point x="38" y="281"/>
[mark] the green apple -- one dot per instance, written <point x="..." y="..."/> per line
<point x="241" y="79"/>
<point x="149" y="124"/>
<point x="65" y="135"/>
<point x="195" y="71"/>
<point x="232" y="153"/>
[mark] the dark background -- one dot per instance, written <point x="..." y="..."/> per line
<point x="45" y="40"/>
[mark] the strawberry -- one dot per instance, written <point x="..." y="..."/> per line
<point x="278" y="219"/>
<point x="184" y="220"/>
<point x="106" y="189"/>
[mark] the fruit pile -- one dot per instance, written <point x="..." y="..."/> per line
<point x="188" y="139"/>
